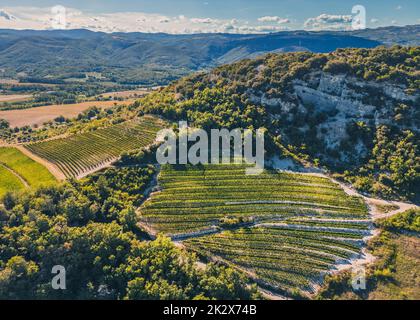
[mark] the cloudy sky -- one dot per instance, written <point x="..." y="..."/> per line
<point x="195" y="16"/>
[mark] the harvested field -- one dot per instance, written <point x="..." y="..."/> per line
<point x="16" y="83"/>
<point x="9" y="81"/>
<point x="14" y="97"/>
<point x="40" y="115"/>
<point x="126" y="94"/>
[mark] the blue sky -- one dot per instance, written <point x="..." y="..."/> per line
<point x="180" y="16"/>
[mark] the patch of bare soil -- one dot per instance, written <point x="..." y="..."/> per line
<point x="40" y="115"/>
<point x="14" y="97"/>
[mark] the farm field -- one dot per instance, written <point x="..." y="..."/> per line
<point x="126" y="94"/>
<point x="285" y="230"/>
<point x="40" y="115"/>
<point x="14" y="97"/>
<point x="15" y="82"/>
<point x="31" y="172"/>
<point x="81" y="154"/>
<point x="9" y="181"/>
<point x="9" y="81"/>
<point x="284" y="257"/>
<point x="198" y="197"/>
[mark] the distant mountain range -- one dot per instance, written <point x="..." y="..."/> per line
<point x="158" y="58"/>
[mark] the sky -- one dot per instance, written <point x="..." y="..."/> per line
<point x="197" y="16"/>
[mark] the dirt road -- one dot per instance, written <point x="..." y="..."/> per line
<point x="24" y="182"/>
<point x="51" y="167"/>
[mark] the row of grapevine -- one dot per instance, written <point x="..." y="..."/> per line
<point x="85" y="152"/>
<point x="288" y="229"/>
<point x="284" y="258"/>
<point x="198" y="197"/>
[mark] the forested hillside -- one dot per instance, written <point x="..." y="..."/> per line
<point x="148" y="59"/>
<point x="89" y="227"/>
<point x="354" y="111"/>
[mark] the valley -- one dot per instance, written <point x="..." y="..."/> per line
<point x="75" y="54"/>
<point x="81" y="187"/>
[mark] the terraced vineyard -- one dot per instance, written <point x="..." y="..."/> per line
<point x="194" y="198"/>
<point x="83" y="153"/>
<point x="282" y="256"/>
<point x="290" y="228"/>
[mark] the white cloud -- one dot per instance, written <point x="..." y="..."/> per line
<point x="329" y="22"/>
<point x="41" y="19"/>
<point x="203" y="20"/>
<point x="5" y="15"/>
<point x="398" y="7"/>
<point x="261" y="29"/>
<point x="274" y="19"/>
<point x="374" y="20"/>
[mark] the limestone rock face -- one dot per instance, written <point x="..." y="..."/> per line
<point x="344" y="100"/>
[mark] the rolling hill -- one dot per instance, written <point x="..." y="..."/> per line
<point x="159" y="58"/>
<point x="354" y="111"/>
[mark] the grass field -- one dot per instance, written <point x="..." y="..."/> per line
<point x="9" y="182"/>
<point x="83" y="153"/>
<point x="33" y="173"/>
<point x="404" y="282"/>
<point x="15" y="82"/>
<point x="40" y="115"/>
<point x="285" y="230"/>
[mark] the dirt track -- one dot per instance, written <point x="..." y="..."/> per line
<point x="24" y="182"/>
<point x="51" y="167"/>
<point x="374" y="202"/>
<point x="14" y="97"/>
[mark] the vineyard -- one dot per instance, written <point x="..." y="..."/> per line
<point x="284" y="229"/>
<point x="83" y="153"/>
<point x="199" y="197"/>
